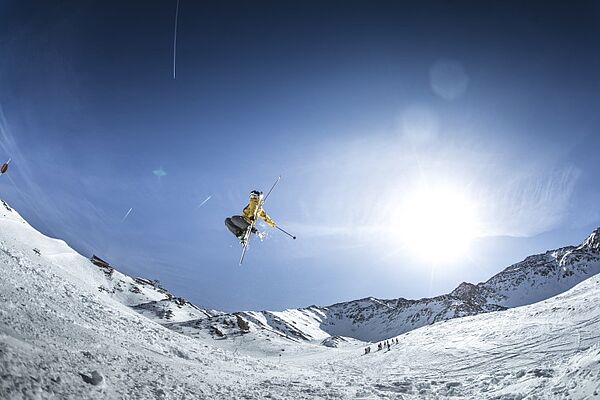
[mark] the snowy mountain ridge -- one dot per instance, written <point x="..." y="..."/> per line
<point x="147" y="297"/>
<point x="534" y="279"/>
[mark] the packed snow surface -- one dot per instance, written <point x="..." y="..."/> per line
<point x="72" y="330"/>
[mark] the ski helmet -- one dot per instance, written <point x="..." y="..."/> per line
<point x="255" y="194"/>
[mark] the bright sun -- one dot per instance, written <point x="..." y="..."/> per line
<point x="437" y="224"/>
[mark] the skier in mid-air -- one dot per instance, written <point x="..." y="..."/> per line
<point x="239" y="224"/>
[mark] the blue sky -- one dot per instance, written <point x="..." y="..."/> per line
<point x="358" y="105"/>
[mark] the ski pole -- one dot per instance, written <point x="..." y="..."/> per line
<point x="270" y="190"/>
<point x="287" y="233"/>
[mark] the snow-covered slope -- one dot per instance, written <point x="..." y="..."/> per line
<point x="536" y="278"/>
<point x="148" y="297"/>
<point x="547" y="350"/>
<point x="143" y="295"/>
<point x="61" y="337"/>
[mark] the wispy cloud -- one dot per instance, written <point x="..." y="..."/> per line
<point x="358" y="186"/>
<point x="20" y="175"/>
<point x="529" y="201"/>
<point x="57" y="212"/>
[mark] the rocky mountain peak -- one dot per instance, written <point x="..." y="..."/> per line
<point x="464" y="291"/>
<point x="593" y="241"/>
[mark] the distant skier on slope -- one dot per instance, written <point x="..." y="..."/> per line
<point x="239" y="224"/>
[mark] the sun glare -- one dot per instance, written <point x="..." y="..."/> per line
<point x="437" y="224"/>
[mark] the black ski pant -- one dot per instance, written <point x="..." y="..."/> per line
<point x="237" y="225"/>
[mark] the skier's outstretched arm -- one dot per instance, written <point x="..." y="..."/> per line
<point x="267" y="219"/>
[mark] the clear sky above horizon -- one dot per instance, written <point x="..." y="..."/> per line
<point x="366" y="110"/>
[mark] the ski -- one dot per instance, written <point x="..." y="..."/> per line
<point x="246" y="240"/>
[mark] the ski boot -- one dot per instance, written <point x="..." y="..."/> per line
<point x="242" y="238"/>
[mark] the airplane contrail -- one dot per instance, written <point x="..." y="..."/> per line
<point x="204" y="202"/>
<point x="127" y="215"/>
<point x="175" y="38"/>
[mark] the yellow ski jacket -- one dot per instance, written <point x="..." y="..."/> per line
<point x="251" y="210"/>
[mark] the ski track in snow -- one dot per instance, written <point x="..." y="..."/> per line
<point x="63" y="338"/>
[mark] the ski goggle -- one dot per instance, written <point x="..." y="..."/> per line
<point x="255" y="195"/>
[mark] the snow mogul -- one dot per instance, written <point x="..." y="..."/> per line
<point x="240" y="224"/>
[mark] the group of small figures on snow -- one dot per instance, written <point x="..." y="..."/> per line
<point x="382" y="345"/>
